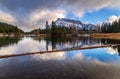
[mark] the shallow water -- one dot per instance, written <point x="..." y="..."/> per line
<point x="99" y="63"/>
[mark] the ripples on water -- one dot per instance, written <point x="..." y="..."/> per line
<point x="100" y="63"/>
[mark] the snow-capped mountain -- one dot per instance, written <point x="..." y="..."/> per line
<point x="90" y="27"/>
<point x="74" y="23"/>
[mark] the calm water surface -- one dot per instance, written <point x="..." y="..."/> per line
<point x="100" y="63"/>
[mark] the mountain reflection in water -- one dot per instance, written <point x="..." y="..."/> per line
<point x="99" y="63"/>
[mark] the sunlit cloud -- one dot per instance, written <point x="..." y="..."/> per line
<point x="39" y="17"/>
<point x="7" y="17"/>
<point x="113" y="18"/>
<point x="29" y="15"/>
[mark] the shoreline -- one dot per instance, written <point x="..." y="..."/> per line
<point x="11" y="35"/>
<point x="115" y="36"/>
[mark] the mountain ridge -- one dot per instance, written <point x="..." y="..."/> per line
<point x="65" y="22"/>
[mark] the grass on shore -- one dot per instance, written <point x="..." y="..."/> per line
<point x="115" y="36"/>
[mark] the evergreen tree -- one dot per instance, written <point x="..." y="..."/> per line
<point x="111" y="28"/>
<point x="9" y="29"/>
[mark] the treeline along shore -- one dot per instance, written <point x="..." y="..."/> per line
<point x="9" y="30"/>
<point x="106" y="30"/>
<point x="109" y="31"/>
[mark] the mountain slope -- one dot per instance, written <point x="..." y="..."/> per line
<point x="74" y="23"/>
<point x="7" y="28"/>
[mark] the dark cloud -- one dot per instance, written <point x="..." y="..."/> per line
<point x="30" y="14"/>
<point x="30" y="4"/>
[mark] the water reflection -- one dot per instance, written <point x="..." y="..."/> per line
<point x="69" y="65"/>
<point x="50" y="56"/>
<point x="5" y="41"/>
<point x="116" y="49"/>
<point x="28" y="44"/>
<point x="99" y="55"/>
<point x="99" y="63"/>
<point x="60" y="43"/>
<point x="112" y="41"/>
<point x="112" y="50"/>
<point x="23" y="46"/>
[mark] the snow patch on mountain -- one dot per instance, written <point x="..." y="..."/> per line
<point x="64" y="22"/>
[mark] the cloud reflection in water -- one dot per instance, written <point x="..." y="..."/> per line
<point x="50" y="56"/>
<point x="111" y="51"/>
<point x="24" y="46"/>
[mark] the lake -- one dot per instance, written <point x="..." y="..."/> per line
<point x="98" y="63"/>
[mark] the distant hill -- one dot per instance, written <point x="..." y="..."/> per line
<point x="8" y="28"/>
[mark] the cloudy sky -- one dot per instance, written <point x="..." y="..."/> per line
<point x="32" y="14"/>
